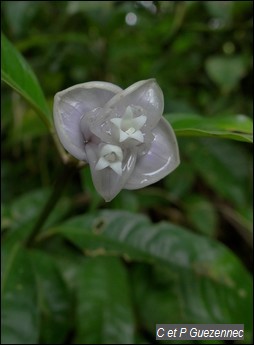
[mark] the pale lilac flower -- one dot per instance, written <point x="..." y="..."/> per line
<point x="121" y="134"/>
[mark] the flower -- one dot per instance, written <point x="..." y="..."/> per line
<point x="120" y="133"/>
<point x="129" y="127"/>
<point x="110" y="156"/>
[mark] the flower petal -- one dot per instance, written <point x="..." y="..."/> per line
<point x="128" y="115"/>
<point x="96" y="123"/>
<point x="139" y="122"/>
<point x="146" y="94"/>
<point x="161" y="159"/>
<point x="106" y="149"/>
<point x="123" y="136"/>
<point x="117" y="122"/>
<point x="71" y="104"/>
<point x="107" y="182"/>
<point x="117" y="167"/>
<point x="138" y="136"/>
<point x="101" y="164"/>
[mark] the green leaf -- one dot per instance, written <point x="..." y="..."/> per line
<point x="185" y="253"/>
<point x="227" y="71"/>
<point x="164" y="297"/>
<point x="201" y="214"/>
<point x="152" y="197"/>
<point x="29" y="129"/>
<point x="238" y="127"/>
<point x="27" y="206"/>
<point x="54" y="298"/>
<point x="94" y="198"/>
<point x="242" y="220"/>
<point x="22" y="214"/>
<point x="67" y="259"/>
<point x="244" y="216"/>
<point x="16" y="72"/>
<point x="104" y="307"/>
<point x="180" y="182"/>
<point x="19" y="299"/>
<point x="222" y="10"/>
<point x="223" y="165"/>
<point x="19" y="14"/>
<point x="126" y="200"/>
<point x="133" y="235"/>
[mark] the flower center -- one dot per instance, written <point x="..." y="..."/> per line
<point x="131" y="130"/>
<point x="129" y="126"/>
<point x="111" y="157"/>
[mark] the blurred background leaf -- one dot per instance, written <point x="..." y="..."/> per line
<point x="162" y="296"/>
<point x="20" y="313"/>
<point x="54" y="299"/>
<point x="20" y="217"/>
<point x="104" y="312"/>
<point x="201" y="214"/>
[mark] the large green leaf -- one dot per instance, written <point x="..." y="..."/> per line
<point x="104" y="307"/>
<point x="20" y="216"/>
<point x="19" y="298"/>
<point x="133" y="235"/>
<point x="238" y="127"/>
<point x="223" y="165"/>
<point x="16" y="72"/>
<point x="68" y="260"/>
<point x="163" y="297"/>
<point x="186" y="254"/>
<point x="54" y="298"/>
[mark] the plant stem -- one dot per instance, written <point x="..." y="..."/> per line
<point x="180" y="13"/>
<point x="52" y="201"/>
